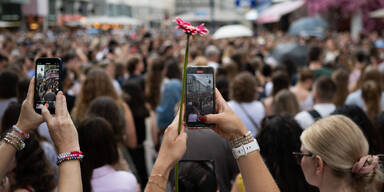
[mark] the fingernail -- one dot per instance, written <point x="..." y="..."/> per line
<point x="203" y="119"/>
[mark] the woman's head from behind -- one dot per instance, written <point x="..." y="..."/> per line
<point x="278" y="138"/>
<point x="243" y="88"/>
<point x="97" y="142"/>
<point x="285" y="102"/>
<point x="334" y="145"/>
<point x="108" y="109"/>
<point x="96" y="84"/>
<point x="371" y="94"/>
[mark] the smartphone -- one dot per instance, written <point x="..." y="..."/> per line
<point x="200" y="95"/>
<point x="48" y="74"/>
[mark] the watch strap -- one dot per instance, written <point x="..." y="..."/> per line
<point x="245" y="149"/>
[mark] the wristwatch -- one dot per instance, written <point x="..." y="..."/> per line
<point x="245" y="149"/>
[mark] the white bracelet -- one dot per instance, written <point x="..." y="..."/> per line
<point x="245" y="149"/>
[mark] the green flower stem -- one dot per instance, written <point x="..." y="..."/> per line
<point x="181" y="106"/>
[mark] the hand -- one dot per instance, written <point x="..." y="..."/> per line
<point x="228" y="125"/>
<point x="29" y="119"/>
<point x="61" y="128"/>
<point x="173" y="146"/>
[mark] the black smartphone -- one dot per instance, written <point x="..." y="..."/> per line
<point x="48" y="74"/>
<point x="200" y="95"/>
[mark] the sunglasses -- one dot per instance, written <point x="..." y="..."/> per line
<point x="299" y="156"/>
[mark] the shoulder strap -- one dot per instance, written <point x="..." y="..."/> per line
<point x="315" y="115"/>
<point x="249" y="117"/>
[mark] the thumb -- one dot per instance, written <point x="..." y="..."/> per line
<point x="211" y="118"/>
<point x="47" y="116"/>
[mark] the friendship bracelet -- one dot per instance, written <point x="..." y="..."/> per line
<point x="17" y="146"/>
<point x="69" y="153"/>
<point x="60" y="161"/>
<point x="67" y="156"/>
<point x="25" y="135"/>
<point x="158" y="185"/>
<point x="11" y="135"/>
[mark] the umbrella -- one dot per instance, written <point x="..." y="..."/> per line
<point x="291" y="52"/>
<point x="251" y="15"/>
<point x="379" y="13"/>
<point x="309" y="26"/>
<point x="232" y="31"/>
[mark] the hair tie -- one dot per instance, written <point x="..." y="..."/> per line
<point x="366" y="164"/>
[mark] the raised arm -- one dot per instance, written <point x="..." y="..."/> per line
<point x="254" y="172"/>
<point x="27" y="122"/>
<point x="172" y="150"/>
<point x="64" y="135"/>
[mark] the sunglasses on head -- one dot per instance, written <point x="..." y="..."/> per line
<point x="299" y="156"/>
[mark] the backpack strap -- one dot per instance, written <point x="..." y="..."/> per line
<point x="315" y="115"/>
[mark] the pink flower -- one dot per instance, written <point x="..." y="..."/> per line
<point x="190" y="29"/>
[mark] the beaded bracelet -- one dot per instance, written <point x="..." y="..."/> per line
<point x="74" y="155"/>
<point x="25" y="135"/>
<point x="17" y="146"/>
<point x="11" y="135"/>
<point x="62" y="155"/>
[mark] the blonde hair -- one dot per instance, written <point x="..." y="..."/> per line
<point x="340" y="143"/>
<point x="285" y="102"/>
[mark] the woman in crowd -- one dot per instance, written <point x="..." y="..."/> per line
<point x="371" y="73"/>
<point x="340" y="77"/>
<point x="170" y="95"/>
<point x="96" y="138"/>
<point x="302" y="89"/>
<point x="334" y="157"/>
<point x="136" y="101"/>
<point x="96" y="84"/>
<point x="278" y="138"/>
<point x="285" y="102"/>
<point x="280" y="80"/>
<point x="108" y="109"/>
<point x="152" y="92"/>
<point x="244" y="101"/>
<point x="371" y="93"/>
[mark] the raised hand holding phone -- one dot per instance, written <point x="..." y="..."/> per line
<point x="200" y="94"/>
<point x="48" y="72"/>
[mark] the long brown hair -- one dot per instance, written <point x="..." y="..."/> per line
<point x="153" y="81"/>
<point x="96" y="84"/>
<point x="370" y="91"/>
<point x="340" y="77"/>
<point x="285" y="102"/>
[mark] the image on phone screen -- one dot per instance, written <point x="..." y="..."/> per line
<point x="47" y="84"/>
<point x="200" y="97"/>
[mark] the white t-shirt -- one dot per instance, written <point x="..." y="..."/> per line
<point x="254" y="109"/>
<point x="107" y="179"/>
<point x="305" y="119"/>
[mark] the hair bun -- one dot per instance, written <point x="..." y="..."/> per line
<point x="366" y="164"/>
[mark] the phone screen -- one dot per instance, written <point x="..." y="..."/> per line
<point x="200" y="95"/>
<point x="47" y="83"/>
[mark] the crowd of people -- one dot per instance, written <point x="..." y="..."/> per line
<point x="317" y="127"/>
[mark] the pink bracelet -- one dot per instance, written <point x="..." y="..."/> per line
<point x="25" y="135"/>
